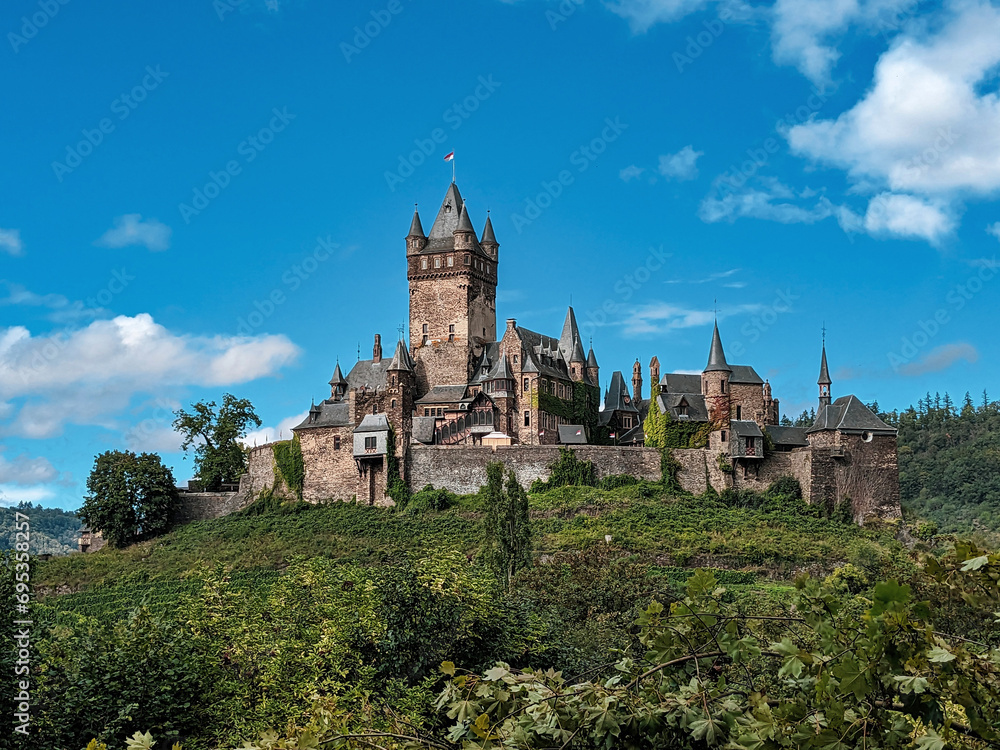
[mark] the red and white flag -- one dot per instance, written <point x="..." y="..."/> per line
<point x="450" y="157"/>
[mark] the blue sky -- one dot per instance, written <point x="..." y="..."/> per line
<point x="203" y="197"/>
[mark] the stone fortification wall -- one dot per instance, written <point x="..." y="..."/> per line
<point x="202" y="506"/>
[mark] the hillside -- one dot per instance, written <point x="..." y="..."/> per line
<point x="949" y="463"/>
<point x="53" y="531"/>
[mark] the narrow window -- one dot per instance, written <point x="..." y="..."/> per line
<point x="451" y="336"/>
<point x="427" y="412"/>
<point x="468" y="260"/>
<point x="515" y="359"/>
<point x="336" y="442"/>
<point x="723" y="386"/>
<point x="739" y="412"/>
<point x="425" y="328"/>
<point x="423" y="264"/>
<point x="723" y="436"/>
<point x="437" y="262"/>
<point x="451" y="328"/>
<point x="451" y="261"/>
<point x="394" y="401"/>
<point x="527" y="419"/>
<point x="525" y="385"/>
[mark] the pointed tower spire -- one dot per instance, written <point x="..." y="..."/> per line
<point x="489" y="240"/>
<point x="824" y="381"/>
<point x="570" y="334"/>
<point x="401" y="359"/>
<point x="464" y="222"/>
<point x="416" y="228"/>
<point x="338" y="384"/>
<point x="717" y="356"/>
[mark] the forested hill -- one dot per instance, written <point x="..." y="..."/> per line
<point x="53" y="531"/>
<point x="949" y="462"/>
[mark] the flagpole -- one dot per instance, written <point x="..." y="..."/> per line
<point x="452" y="168"/>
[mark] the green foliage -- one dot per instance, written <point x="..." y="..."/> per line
<point x="670" y="469"/>
<point x="131" y="497"/>
<point x="53" y="531"/>
<point x="219" y="455"/>
<point x="663" y="431"/>
<point x="838" y="673"/>
<point x="614" y="481"/>
<point x="507" y="525"/>
<point x="581" y="407"/>
<point x="785" y="486"/>
<point x="430" y="499"/>
<point x="567" y="470"/>
<point x="396" y="488"/>
<point x="927" y="530"/>
<point x="289" y="465"/>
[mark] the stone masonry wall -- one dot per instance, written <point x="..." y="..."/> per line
<point x="797" y="464"/>
<point x="203" y="506"/>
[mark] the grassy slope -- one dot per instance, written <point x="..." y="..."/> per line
<point x="662" y="530"/>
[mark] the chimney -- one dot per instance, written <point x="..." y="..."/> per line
<point x="377" y="349"/>
<point x="511" y="324"/>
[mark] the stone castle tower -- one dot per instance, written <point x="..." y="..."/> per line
<point x="452" y="275"/>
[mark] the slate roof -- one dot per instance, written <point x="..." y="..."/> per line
<point x="569" y="340"/>
<point x="373" y="423"/>
<point x="485" y="364"/>
<point x="443" y="394"/>
<point x="572" y="434"/>
<point x="448" y="221"/>
<point x="678" y="382"/>
<point x="416" y="229"/>
<point x="401" y="361"/>
<point x="632" y="436"/>
<point x="794" y="436"/>
<point x="488" y="235"/>
<point x="614" y="399"/>
<point x="331" y="414"/>
<point x="745" y="428"/>
<point x="338" y="377"/>
<point x="716" y="355"/>
<point x="745" y="374"/>
<point x="591" y="358"/>
<point x="669" y="403"/>
<point x="848" y="414"/>
<point x="500" y="370"/>
<point x="543" y="352"/>
<point x="423" y="430"/>
<point x="368" y="373"/>
<point x="824" y="372"/>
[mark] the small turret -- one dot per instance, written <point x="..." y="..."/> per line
<point x="489" y="240"/>
<point x="654" y="371"/>
<point x="338" y="384"/>
<point x="593" y="371"/>
<point x="401" y="359"/>
<point x="465" y="233"/>
<point x="715" y="382"/>
<point x="416" y="239"/>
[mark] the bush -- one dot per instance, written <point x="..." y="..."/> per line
<point x="568" y="470"/>
<point x="785" y="486"/>
<point x="927" y="530"/>
<point x="430" y="499"/>
<point x="614" y="481"/>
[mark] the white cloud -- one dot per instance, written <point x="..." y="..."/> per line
<point x="63" y="310"/>
<point x="994" y="229"/>
<point x="642" y="14"/>
<point x="283" y="431"/>
<point x="941" y="358"/>
<point x="131" y="230"/>
<point x="773" y="201"/>
<point x="23" y="469"/>
<point x="893" y="214"/>
<point x="930" y="123"/>
<point x="90" y="375"/>
<point x="682" y="165"/>
<point x="660" y="317"/>
<point x="10" y="242"/>
<point x="13" y="495"/>
<point x="631" y="172"/>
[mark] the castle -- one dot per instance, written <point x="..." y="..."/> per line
<point x="457" y="395"/>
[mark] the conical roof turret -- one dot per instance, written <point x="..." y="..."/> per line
<point x="416" y="228"/>
<point x="464" y="222"/>
<point x="591" y="358"/>
<point x="338" y="377"/>
<point x="717" y="356"/>
<point x="824" y="371"/>
<point x="488" y="235"/>
<point x="570" y="336"/>
<point x="401" y="359"/>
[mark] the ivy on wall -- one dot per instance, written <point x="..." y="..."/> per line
<point x="581" y="408"/>
<point x="395" y="487"/>
<point x="663" y="431"/>
<point x="288" y="464"/>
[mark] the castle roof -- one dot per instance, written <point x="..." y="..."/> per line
<point x="448" y="221"/>
<point x="488" y="235"/>
<point x="617" y="397"/>
<point x="443" y="394"/>
<point x="691" y="403"/>
<point x="824" y="372"/>
<point x="849" y="415"/>
<point x="570" y="336"/>
<point x="793" y="436"/>
<point x="716" y="356"/>
<point x="745" y="428"/>
<point x="680" y="382"/>
<point x="330" y="414"/>
<point x="338" y="377"/>
<point x="373" y="423"/>
<point x="401" y="359"/>
<point x="368" y="373"/>
<point x="543" y="354"/>
<point x="500" y="370"/>
<point x="423" y="429"/>
<point x="572" y="434"/>
<point x="416" y="229"/>
<point x="591" y="358"/>
<point x="745" y="374"/>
